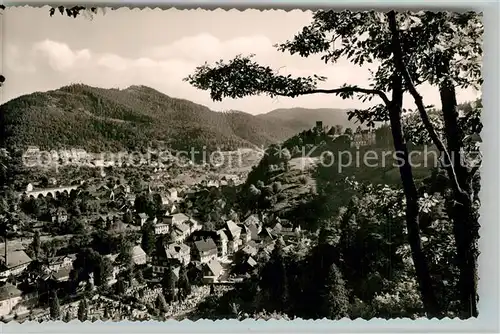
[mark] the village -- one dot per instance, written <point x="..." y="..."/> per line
<point x="97" y="238"/>
<point x="49" y="272"/>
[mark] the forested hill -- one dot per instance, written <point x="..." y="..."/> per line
<point x="136" y="117"/>
<point x="305" y="118"/>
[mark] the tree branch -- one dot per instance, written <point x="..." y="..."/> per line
<point x="401" y="67"/>
<point x="342" y="90"/>
<point x="242" y="77"/>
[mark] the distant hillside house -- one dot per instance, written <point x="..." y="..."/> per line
<point x="32" y="150"/>
<point x="222" y="243"/>
<point x="230" y="179"/>
<point x="285" y="228"/>
<point x="158" y="186"/>
<point x="17" y="262"/>
<point x="31" y="155"/>
<point x="165" y="200"/>
<point x="250" y="249"/>
<point x="212" y="184"/>
<point x="10" y="297"/>
<point x="125" y="187"/>
<point x="60" y="217"/>
<point x="319" y="126"/>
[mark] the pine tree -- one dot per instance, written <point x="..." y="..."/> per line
<point x="106" y="312"/>
<point x="83" y="310"/>
<point x="67" y="317"/>
<point x="278" y="288"/>
<point x="55" y="309"/>
<point x="169" y="285"/>
<point x="148" y="239"/>
<point x="161" y="303"/>
<point x="184" y="284"/>
<point x="120" y="286"/>
<point x="36" y="244"/>
<point x="333" y="295"/>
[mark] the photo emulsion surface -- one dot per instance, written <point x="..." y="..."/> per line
<point x="257" y="164"/>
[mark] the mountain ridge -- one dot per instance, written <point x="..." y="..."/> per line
<point x="100" y="119"/>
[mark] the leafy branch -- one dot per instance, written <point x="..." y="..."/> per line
<point x="242" y="77"/>
<point x="72" y="11"/>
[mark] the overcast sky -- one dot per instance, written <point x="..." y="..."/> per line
<point x="159" y="48"/>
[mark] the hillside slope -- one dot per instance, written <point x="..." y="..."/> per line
<point x="308" y="188"/>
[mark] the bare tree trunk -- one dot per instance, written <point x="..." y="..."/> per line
<point x="410" y="191"/>
<point x="466" y="226"/>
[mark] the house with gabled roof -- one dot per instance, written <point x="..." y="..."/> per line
<point x="266" y="235"/>
<point x="10" y="297"/>
<point x="212" y="271"/>
<point x="166" y="256"/>
<point x="194" y="225"/>
<point x="254" y="225"/>
<point x="16" y="262"/>
<point x="178" y="218"/>
<point x="250" y="250"/>
<point x="172" y="194"/>
<point x="165" y="200"/>
<point x="60" y="216"/>
<point x="63" y="261"/>
<point x="205" y="250"/>
<point x="138" y="255"/>
<point x="277" y="229"/>
<point x="162" y="228"/>
<point x="219" y="237"/>
<point x="173" y="208"/>
<point x="178" y="251"/>
<point x="252" y="219"/>
<point x="60" y="275"/>
<point x="245" y="265"/>
<point x="233" y="233"/>
<point x="141" y="218"/>
<point x="285" y="228"/>
<point x="246" y="233"/>
<point x="180" y="232"/>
